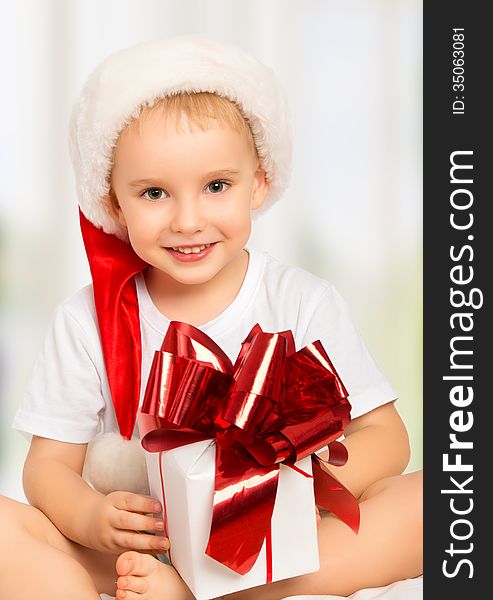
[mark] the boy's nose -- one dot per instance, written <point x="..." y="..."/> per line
<point x="187" y="217"/>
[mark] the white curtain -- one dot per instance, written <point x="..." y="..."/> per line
<point x="352" y="214"/>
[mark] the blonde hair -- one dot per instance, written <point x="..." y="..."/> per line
<point x="199" y="108"/>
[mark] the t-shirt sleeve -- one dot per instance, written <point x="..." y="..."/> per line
<point x="330" y="321"/>
<point x="63" y="400"/>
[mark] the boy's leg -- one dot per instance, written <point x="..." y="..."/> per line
<point x="32" y="569"/>
<point x="39" y="562"/>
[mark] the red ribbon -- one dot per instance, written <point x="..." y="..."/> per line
<point x="274" y="405"/>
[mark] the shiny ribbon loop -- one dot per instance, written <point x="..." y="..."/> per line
<point x="273" y="406"/>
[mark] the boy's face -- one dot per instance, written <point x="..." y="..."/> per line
<point x="183" y="186"/>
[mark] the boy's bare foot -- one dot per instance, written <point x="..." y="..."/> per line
<point x="143" y="577"/>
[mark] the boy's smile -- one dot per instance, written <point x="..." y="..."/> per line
<point x="179" y="189"/>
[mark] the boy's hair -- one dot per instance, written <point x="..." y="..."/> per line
<point x="199" y="108"/>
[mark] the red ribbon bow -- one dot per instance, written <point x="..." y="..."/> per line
<point x="274" y="405"/>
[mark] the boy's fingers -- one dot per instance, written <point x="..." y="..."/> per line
<point x="135" y="503"/>
<point x="131" y="540"/>
<point x="122" y="519"/>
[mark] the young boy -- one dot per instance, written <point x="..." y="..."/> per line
<point x="175" y="146"/>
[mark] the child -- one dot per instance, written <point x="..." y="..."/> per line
<point x="176" y="145"/>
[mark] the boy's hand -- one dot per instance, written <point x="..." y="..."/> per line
<point x="118" y="520"/>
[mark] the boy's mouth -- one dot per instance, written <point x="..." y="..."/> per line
<point x="189" y="249"/>
<point x="190" y="253"/>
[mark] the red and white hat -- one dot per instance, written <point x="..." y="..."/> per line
<point x="112" y="96"/>
<point x="141" y="75"/>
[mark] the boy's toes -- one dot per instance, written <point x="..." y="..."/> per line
<point x="135" y="564"/>
<point x="129" y="583"/>
<point x="125" y="563"/>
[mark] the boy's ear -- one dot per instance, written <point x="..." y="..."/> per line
<point x="260" y="188"/>
<point x="112" y="207"/>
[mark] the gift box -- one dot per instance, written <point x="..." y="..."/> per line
<point x="230" y="455"/>
<point x="188" y="474"/>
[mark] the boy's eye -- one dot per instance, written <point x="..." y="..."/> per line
<point x="153" y="193"/>
<point x="217" y="186"/>
<point x="157" y="193"/>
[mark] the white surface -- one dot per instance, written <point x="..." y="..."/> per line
<point x="189" y="489"/>
<point x="408" y="589"/>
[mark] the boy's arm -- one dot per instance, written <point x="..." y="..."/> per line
<point x="378" y="447"/>
<point x="53" y="483"/>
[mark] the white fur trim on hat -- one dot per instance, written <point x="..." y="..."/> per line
<point x="140" y="75"/>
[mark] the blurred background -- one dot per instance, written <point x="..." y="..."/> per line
<point x="352" y="214"/>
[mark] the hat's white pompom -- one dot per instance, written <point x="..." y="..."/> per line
<point x="114" y="463"/>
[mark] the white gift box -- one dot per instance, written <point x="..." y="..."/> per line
<point x="188" y="475"/>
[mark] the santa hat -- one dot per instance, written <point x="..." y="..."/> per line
<point x="112" y="97"/>
<point x="131" y="78"/>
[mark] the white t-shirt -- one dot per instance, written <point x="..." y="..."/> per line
<point x="68" y="398"/>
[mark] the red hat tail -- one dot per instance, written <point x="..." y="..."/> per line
<point x="113" y="264"/>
